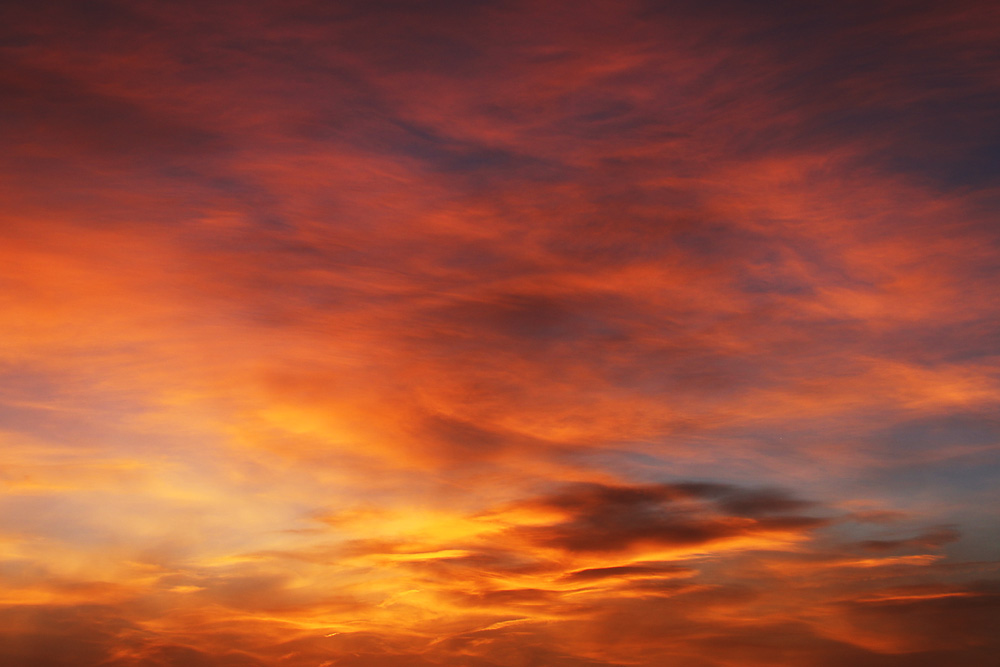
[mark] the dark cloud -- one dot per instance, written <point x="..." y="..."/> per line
<point x="746" y="502"/>
<point x="59" y="636"/>
<point x="604" y="518"/>
<point x="55" y="111"/>
<point x="533" y="320"/>
<point x="928" y="623"/>
<point x="630" y="571"/>
<point x="930" y="540"/>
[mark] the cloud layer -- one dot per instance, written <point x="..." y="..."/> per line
<point x="499" y="333"/>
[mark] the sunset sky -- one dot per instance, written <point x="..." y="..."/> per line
<point x="489" y="333"/>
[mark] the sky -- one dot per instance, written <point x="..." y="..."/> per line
<point x="499" y="333"/>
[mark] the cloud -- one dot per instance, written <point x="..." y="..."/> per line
<point x="608" y="518"/>
<point x="630" y="571"/>
<point x="934" y="538"/>
<point x="498" y="333"/>
<point x="932" y="621"/>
